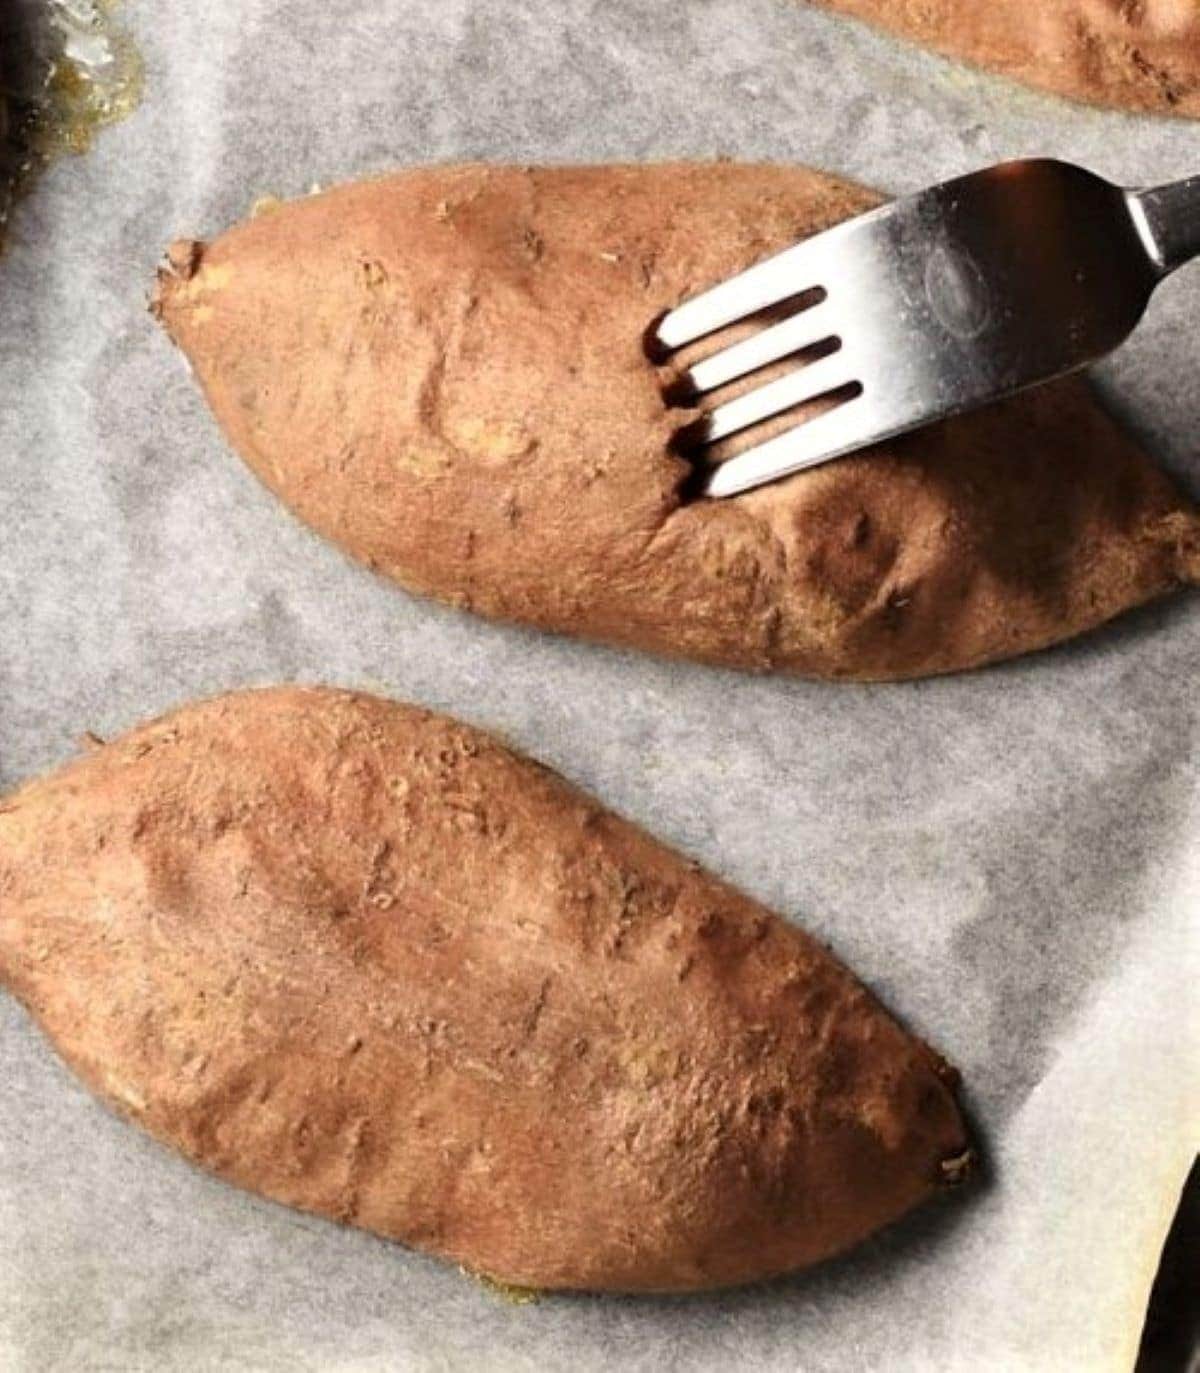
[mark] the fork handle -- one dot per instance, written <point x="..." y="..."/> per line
<point x="1172" y="218"/>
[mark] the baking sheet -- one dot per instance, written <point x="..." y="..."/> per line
<point x="1012" y="859"/>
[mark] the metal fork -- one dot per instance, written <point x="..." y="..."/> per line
<point x="928" y="307"/>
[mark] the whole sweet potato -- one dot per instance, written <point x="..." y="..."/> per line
<point x="444" y="372"/>
<point x="1139" y="54"/>
<point x="365" y="961"/>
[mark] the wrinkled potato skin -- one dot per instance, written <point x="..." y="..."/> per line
<point x="364" y="961"/>
<point x="1132" y="54"/>
<point x="443" y="371"/>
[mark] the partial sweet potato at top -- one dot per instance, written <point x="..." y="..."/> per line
<point x="1133" y="54"/>
<point x="367" y="962"/>
<point x="444" y="372"/>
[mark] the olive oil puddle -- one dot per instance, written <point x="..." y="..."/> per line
<point x="67" y="69"/>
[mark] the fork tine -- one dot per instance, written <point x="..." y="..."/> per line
<point x="816" y="441"/>
<point x="804" y="384"/>
<point x="793" y="335"/>
<point x="768" y="283"/>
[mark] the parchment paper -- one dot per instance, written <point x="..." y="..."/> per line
<point x="1012" y="858"/>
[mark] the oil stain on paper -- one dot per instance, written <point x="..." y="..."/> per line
<point x="67" y="69"/>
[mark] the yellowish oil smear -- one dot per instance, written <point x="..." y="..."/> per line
<point x="265" y="205"/>
<point x="505" y="1291"/>
<point x="68" y="69"/>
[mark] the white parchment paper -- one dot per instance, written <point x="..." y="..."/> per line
<point x="1012" y="859"/>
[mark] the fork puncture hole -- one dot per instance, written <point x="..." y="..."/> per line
<point x="653" y="348"/>
<point x="680" y="394"/>
<point x="692" y="487"/>
<point x="684" y="442"/>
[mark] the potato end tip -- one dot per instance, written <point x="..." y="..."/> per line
<point x="182" y="261"/>
<point x="959" y="1169"/>
<point x="1179" y="533"/>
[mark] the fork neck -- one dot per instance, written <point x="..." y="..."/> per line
<point x="1169" y="218"/>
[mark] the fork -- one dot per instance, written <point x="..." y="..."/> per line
<point x="927" y="307"/>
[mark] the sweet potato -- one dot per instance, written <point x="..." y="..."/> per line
<point x="365" y="961"/>
<point x="1135" y="54"/>
<point x="444" y="372"/>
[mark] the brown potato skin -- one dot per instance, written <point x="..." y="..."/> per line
<point x="443" y="371"/>
<point x="365" y="961"/>
<point x="1132" y="54"/>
